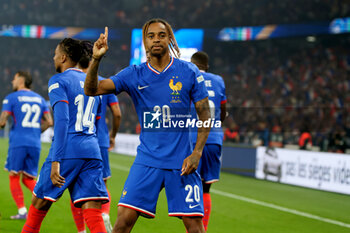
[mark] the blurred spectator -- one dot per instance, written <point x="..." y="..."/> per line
<point x="276" y="137"/>
<point x="337" y="141"/>
<point x="305" y="141"/>
<point x="138" y="128"/>
<point x="231" y="134"/>
<point x="262" y="135"/>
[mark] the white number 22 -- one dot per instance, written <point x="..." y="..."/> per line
<point x="29" y="109"/>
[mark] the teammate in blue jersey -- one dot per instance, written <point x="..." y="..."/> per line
<point x="162" y="90"/>
<point x="106" y="140"/>
<point x="27" y="109"/>
<point x="209" y="166"/>
<point x="74" y="160"/>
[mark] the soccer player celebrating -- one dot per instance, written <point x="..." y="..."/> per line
<point x="27" y="109"/>
<point x="164" y="157"/>
<point x="209" y="166"/>
<point x="74" y="160"/>
<point x="106" y="141"/>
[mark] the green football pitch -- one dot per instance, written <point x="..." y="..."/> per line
<point x="239" y="204"/>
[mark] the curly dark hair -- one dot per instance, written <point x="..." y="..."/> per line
<point x="87" y="53"/>
<point x="201" y="59"/>
<point x="72" y="48"/>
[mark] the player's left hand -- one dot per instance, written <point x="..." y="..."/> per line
<point x="101" y="45"/>
<point x="55" y="176"/>
<point x="190" y="164"/>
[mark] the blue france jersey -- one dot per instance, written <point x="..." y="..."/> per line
<point x="102" y="128"/>
<point x="27" y="109"/>
<point x="216" y="90"/>
<point x="162" y="102"/>
<point x="81" y="142"/>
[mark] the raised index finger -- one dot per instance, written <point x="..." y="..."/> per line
<point x="106" y="32"/>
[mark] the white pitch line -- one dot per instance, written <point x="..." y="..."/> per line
<point x="262" y="203"/>
<point x="280" y="208"/>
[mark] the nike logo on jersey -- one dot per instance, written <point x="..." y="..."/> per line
<point x="192" y="206"/>
<point x="140" y="88"/>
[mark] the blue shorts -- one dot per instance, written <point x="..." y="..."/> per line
<point x="210" y="164"/>
<point x="142" y="187"/>
<point x="106" y="170"/>
<point x="23" y="159"/>
<point x="83" y="179"/>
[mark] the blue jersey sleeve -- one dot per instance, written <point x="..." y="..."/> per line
<point x="112" y="99"/>
<point x="57" y="90"/>
<point x="198" y="91"/>
<point x="7" y="104"/>
<point x="61" y="115"/>
<point x="99" y="108"/>
<point x="120" y="80"/>
<point x="223" y="90"/>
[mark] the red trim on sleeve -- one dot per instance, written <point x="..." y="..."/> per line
<point x="13" y="115"/>
<point x="98" y="117"/>
<point x="114" y="103"/>
<point x="223" y="102"/>
<point x="64" y="101"/>
<point x="46" y="112"/>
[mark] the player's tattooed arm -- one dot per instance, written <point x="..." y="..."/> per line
<point x="190" y="164"/>
<point x="3" y="119"/>
<point x="92" y="86"/>
<point x="91" y="81"/>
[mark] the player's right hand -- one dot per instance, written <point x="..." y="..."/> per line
<point x="101" y="45"/>
<point x="111" y="144"/>
<point x="190" y="164"/>
<point x="55" y="176"/>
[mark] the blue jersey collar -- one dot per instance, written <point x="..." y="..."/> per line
<point x="166" y="68"/>
<point x="76" y="69"/>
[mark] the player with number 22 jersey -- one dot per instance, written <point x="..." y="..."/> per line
<point x="27" y="109"/>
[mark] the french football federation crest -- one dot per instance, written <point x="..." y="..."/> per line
<point x="124" y="193"/>
<point x="176" y="88"/>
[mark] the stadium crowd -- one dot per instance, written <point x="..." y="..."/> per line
<point x="279" y="89"/>
<point x="182" y="13"/>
